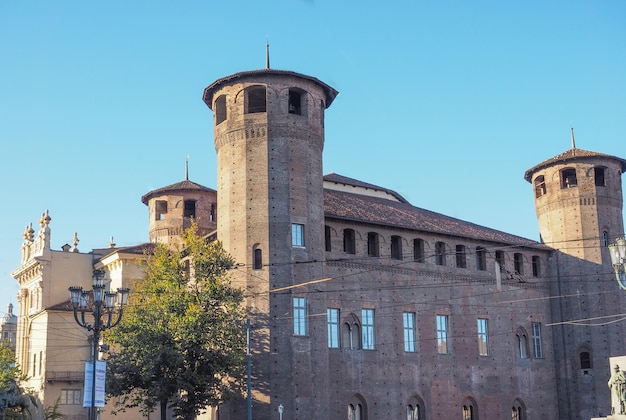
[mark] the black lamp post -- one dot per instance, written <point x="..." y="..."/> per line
<point x="618" y="259"/>
<point x="109" y="304"/>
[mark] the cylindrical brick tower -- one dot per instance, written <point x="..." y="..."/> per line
<point x="173" y="208"/>
<point x="269" y="137"/>
<point x="578" y="199"/>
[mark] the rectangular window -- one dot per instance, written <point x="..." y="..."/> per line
<point x="481" y="258"/>
<point x="536" y="265"/>
<point x="537" y="340"/>
<point x="327" y="240"/>
<point x="408" y="319"/>
<point x="500" y="260"/>
<point x="297" y="234"/>
<point x="483" y="337"/>
<point x="349" y="242"/>
<point x="418" y="250"/>
<point x="332" y="319"/>
<point x="440" y="253"/>
<point x="70" y="397"/>
<point x="442" y="334"/>
<point x="189" y="209"/>
<point x="396" y="247"/>
<point x="160" y="209"/>
<point x="300" y="326"/>
<point x="367" y="320"/>
<point x="461" y="260"/>
<point x="518" y="262"/>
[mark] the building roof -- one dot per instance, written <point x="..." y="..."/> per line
<point x="210" y="90"/>
<point x="184" y="185"/>
<point x="571" y="155"/>
<point x="379" y="211"/>
<point x="140" y="249"/>
<point x="344" y="180"/>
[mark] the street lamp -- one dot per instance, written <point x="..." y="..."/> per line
<point x="104" y="303"/>
<point x="281" y="408"/>
<point x="618" y="259"/>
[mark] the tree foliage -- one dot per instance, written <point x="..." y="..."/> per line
<point x="8" y="369"/>
<point x="181" y="341"/>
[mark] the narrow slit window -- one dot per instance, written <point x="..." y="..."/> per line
<point x="327" y="239"/>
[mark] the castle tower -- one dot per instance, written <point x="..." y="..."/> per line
<point x="578" y="199"/>
<point x="269" y="136"/>
<point x="172" y="209"/>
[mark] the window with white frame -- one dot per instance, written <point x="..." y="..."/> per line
<point x="367" y="323"/>
<point x="442" y="334"/>
<point x="483" y="337"/>
<point x="332" y="320"/>
<point x="537" y="347"/>
<point x="408" y="319"/>
<point x="300" y="326"/>
<point x="297" y="234"/>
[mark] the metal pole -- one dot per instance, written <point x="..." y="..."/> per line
<point x="249" y="362"/>
<point x="96" y="340"/>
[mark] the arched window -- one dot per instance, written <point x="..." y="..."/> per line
<point x="220" y="109"/>
<point x="349" y="241"/>
<point x="536" y="260"/>
<point x="481" y="258"/>
<point x="396" y="247"/>
<point x="518" y="262"/>
<point x="351" y="333"/>
<point x="415" y="409"/>
<point x="440" y="253"/>
<point x="461" y="259"/>
<point x="568" y="178"/>
<point x="518" y="411"/>
<point x="605" y="238"/>
<point x="257" y="258"/>
<point x="522" y="343"/>
<point x="255" y="100"/>
<point x="585" y="360"/>
<point x="297" y="102"/>
<point x="598" y="175"/>
<point x="418" y="250"/>
<point x="372" y="244"/>
<point x="540" y="186"/>
<point x="357" y="409"/>
<point x="469" y="410"/>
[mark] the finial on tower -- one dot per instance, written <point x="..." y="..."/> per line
<point x="187" y="168"/>
<point x="267" y="53"/>
<point x="573" y="142"/>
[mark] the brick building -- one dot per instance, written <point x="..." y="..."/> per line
<point x="367" y="307"/>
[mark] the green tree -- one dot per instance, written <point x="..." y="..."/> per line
<point x="181" y="342"/>
<point x="8" y="368"/>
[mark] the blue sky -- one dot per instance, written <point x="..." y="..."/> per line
<point x="446" y="102"/>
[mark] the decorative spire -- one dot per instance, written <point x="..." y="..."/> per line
<point x="75" y="241"/>
<point x="267" y="53"/>
<point x="187" y="168"/>
<point x="111" y="243"/>
<point x="573" y="142"/>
